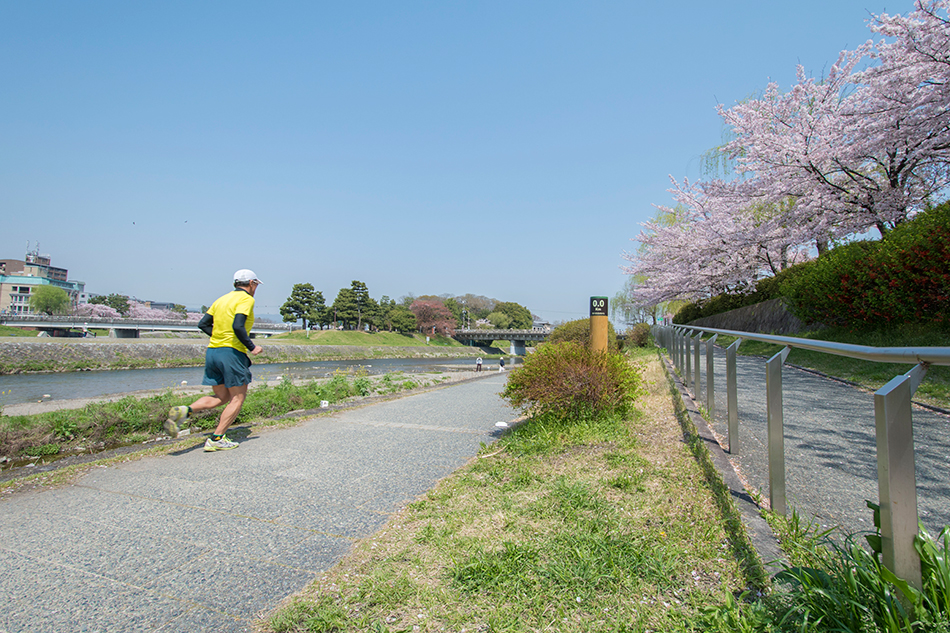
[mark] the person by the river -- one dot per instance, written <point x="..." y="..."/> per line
<point x="227" y="364"/>
<point x="478" y="364"/>
<point x="501" y="364"/>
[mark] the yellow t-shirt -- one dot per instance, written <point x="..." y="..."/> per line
<point x="223" y="311"/>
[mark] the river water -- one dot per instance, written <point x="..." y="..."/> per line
<point x="21" y="388"/>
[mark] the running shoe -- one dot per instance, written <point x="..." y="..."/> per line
<point x="176" y="416"/>
<point x="219" y="445"/>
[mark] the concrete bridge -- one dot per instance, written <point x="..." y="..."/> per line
<point x="119" y="328"/>
<point x="518" y="338"/>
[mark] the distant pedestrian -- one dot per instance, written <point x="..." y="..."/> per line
<point x="227" y="366"/>
<point x="478" y="364"/>
<point x="501" y="364"/>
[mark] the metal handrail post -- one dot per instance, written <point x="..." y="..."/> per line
<point x="710" y="381"/>
<point x="699" y="341"/>
<point x="776" y="431"/>
<point x="676" y="348"/>
<point x="677" y="344"/>
<point x="688" y="357"/>
<point x="896" y="472"/>
<point x="681" y="346"/>
<point x="732" y="396"/>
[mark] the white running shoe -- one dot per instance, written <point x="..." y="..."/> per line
<point x="219" y="445"/>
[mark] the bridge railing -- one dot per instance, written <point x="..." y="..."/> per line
<point x="78" y="321"/>
<point x="502" y="335"/>
<point x="897" y="479"/>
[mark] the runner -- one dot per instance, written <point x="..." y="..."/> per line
<point x="227" y="365"/>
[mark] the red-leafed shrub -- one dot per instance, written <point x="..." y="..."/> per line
<point x="903" y="278"/>
<point x="571" y="382"/>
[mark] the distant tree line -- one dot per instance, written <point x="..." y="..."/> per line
<point x="355" y="309"/>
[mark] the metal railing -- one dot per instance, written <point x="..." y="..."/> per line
<point x="109" y="322"/>
<point x="897" y="479"/>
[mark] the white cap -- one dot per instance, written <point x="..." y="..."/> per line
<point x="245" y="275"/>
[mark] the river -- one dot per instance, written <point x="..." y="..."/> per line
<point x="22" y="388"/>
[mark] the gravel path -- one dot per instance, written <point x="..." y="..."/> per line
<point x="196" y="541"/>
<point x="830" y="445"/>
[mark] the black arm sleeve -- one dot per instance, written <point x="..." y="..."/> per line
<point x="241" y="332"/>
<point x="206" y="324"/>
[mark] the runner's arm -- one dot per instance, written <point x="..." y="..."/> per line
<point x="240" y="320"/>
<point x="206" y="324"/>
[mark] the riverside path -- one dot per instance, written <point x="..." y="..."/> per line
<point x="196" y="541"/>
<point x="830" y="445"/>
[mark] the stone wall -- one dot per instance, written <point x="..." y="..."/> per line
<point x="18" y="355"/>
<point x="768" y="317"/>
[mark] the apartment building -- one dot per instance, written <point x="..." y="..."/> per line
<point x="20" y="278"/>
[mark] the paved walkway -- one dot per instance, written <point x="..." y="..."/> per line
<point x="830" y="445"/>
<point x="198" y="541"/>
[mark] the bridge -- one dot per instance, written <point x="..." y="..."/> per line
<point x="518" y="338"/>
<point x="119" y="328"/>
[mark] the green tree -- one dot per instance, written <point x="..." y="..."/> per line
<point x="49" y="300"/>
<point x="345" y="308"/>
<point x="455" y="308"/>
<point x="401" y="319"/>
<point x="520" y="316"/>
<point x="364" y="304"/>
<point x="304" y="303"/>
<point x="119" y="303"/>
<point x="500" y="320"/>
<point x="177" y="308"/>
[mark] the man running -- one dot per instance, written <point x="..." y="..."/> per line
<point x="227" y="365"/>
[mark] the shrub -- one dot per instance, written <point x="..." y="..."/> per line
<point x="579" y="332"/>
<point x="569" y="381"/>
<point x="903" y="278"/>
<point x="639" y="335"/>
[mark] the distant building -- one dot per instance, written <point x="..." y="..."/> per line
<point x="540" y="325"/>
<point x="20" y="278"/>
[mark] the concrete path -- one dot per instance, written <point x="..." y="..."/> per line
<point x="830" y="445"/>
<point x="198" y="541"/>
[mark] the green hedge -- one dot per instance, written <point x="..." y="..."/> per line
<point x="903" y="278"/>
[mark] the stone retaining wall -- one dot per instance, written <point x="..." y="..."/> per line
<point x="768" y="317"/>
<point x="19" y="356"/>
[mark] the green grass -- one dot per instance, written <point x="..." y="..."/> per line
<point x="837" y="583"/>
<point x="6" y="330"/>
<point x="132" y="420"/>
<point x="604" y="525"/>
<point x="935" y="389"/>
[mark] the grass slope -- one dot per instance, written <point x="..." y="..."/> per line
<point x="608" y="526"/>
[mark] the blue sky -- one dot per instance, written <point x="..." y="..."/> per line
<point x="505" y="149"/>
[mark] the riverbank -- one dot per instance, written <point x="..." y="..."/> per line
<point x="60" y="355"/>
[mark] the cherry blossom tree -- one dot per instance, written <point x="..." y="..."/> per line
<point x="856" y="149"/>
<point x="712" y="241"/>
<point x="98" y="310"/>
<point x="865" y="146"/>
<point x="433" y="314"/>
<point x="138" y="310"/>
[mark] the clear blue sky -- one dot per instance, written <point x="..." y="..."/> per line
<point x="506" y="149"/>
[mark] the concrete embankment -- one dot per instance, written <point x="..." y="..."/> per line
<point x="18" y="355"/>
